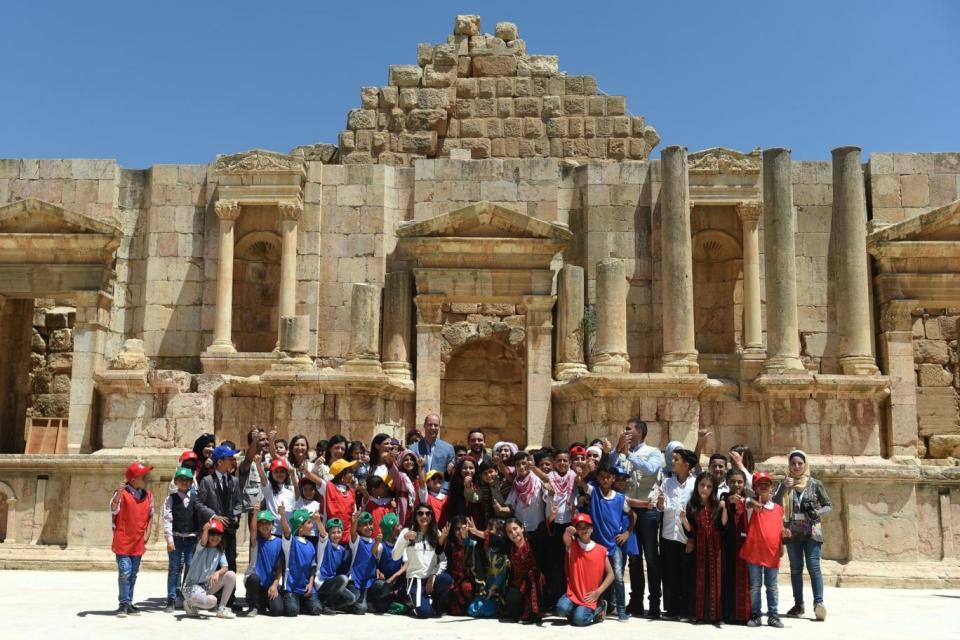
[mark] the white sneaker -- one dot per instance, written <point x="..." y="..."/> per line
<point x="224" y="612"/>
<point x="820" y="611"/>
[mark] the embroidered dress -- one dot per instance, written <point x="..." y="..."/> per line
<point x="461" y="590"/>
<point x="525" y="577"/>
<point x="736" y="579"/>
<point x="707" y="533"/>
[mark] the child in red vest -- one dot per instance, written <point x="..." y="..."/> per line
<point x="132" y="510"/>
<point x="430" y="490"/>
<point x="762" y="549"/>
<point x="589" y="574"/>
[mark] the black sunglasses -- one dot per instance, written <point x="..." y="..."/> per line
<point x="424" y="513"/>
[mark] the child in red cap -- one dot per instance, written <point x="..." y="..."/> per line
<point x="762" y="549"/>
<point x="589" y="574"/>
<point x="131" y="508"/>
<point x="209" y="574"/>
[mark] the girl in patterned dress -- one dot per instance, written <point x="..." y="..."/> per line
<point x="704" y="521"/>
<point x="523" y="600"/>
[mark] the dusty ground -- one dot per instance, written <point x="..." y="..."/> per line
<point x="61" y="605"/>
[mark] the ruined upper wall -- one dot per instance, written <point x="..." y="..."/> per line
<point x="484" y="93"/>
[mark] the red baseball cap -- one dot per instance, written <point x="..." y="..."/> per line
<point x="188" y="455"/>
<point x="279" y="463"/>
<point x="582" y="518"/>
<point x="216" y="525"/>
<point x="578" y="451"/>
<point x="138" y="469"/>
<point x="762" y="476"/>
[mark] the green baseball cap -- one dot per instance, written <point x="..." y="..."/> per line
<point x="388" y="523"/>
<point x="183" y="472"/>
<point x="266" y="516"/>
<point x="334" y="523"/>
<point x="298" y="518"/>
<point x="364" y="518"/>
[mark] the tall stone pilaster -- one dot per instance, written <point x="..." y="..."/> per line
<point x="364" y="354"/>
<point x="676" y="274"/>
<point x="397" y="310"/>
<point x="569" y="356"/>
<point x="779" y="227"/>
<point x="227" y="211"/>
<point x="611" y="352"/>
<point x="89" y="343"/>
<point x="429" y="354"/>
<point x="852" y="277"/>
<point x="539" y="312"/>
<point x="289" y="216"/>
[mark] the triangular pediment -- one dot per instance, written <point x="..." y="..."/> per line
<point x="939" y="225"/>
<point x="258" y="161"/>
<point x="484" y="220"/>
<point x="38" y="217"/>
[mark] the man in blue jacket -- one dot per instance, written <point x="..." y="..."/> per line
<point x="438" y="455"/>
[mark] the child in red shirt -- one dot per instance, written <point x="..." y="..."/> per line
<point x="589" y="575"/>
<point x="761" y="550"/>
<point x="132" y="509"/>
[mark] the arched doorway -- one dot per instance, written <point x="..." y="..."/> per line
<point x="483" y="386"/>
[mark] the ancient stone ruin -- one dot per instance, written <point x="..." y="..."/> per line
<point x="496" y="241"/>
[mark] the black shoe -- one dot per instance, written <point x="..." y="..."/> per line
<point x="654" y="613"/>
<point x="121" y="611"/>
<point x="796" y="611"/>
<point x="171" y="605"/>
<point x="774" y="621"/>
<point x="236" y="608"/>
<point x="754" y="621"/>
<point x="132" y="610"/>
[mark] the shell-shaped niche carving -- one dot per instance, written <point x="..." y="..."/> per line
<point x="713" y="245"/>
<point x="259" y="246"/>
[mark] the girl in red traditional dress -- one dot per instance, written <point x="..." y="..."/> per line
<point x="460" y="548"/>
<point x="736" y="578"/>
<point x="523" y="600"/>
<point x="704" y="520"/>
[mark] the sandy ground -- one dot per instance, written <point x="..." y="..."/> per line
<point x="61" y="604"/>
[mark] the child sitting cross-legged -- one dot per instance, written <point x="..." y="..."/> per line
<point x="209" y="575"/>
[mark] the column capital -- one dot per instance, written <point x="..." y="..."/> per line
<point x="227" y="209"/>
<point x="749" y="211"/>
<point x="290" y="209"/>
<point x="429" y="308"/>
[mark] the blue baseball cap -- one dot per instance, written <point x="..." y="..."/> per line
<point x="222" y="452"/>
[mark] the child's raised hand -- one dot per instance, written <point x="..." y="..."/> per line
<point x="703" y="434"/>
<point x="735" y="498"/>
<point x="723" y="505"/>
<point x="468" y="481"/>
<point x="410" y="535"/>
<point x="354" y="517"/>
<point x="379" y="538"/>
<point x="570" y="531"/>
<point x="470" y="524"/>
<point x="789" y="482"/>
<point x="281" y="509"/>
<point x="445" y="530"/>
<point x="736" y="458"/>
<point x="121" y="485"/>
<point x="606" y="446"/>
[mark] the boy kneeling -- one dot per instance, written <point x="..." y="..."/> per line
<point x="589" y="574"/>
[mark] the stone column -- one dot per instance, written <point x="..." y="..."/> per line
<point x="779" y="228"/>
<point x="896" y="348"/>
<point x="89" y="342"/>
<point x="227" y="211"/>
<point x="294" y="343"/>
<point x="611" y="355"/>
<point x="539" y="310"/>
<point x="676" y="273"/>
<point x="397" y="310"/>
<point x="429" y="356"/>
<point x="749" y="213"/>
<point x="852" y="278"/>
<point x="364" y="354"/>
<point x="290" y="214"/>
<point x="570" y="324"/>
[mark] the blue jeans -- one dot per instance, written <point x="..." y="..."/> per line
<point x="128" y="567"/>
<point x="179" y="564"/>
<point x="759" y="577"/>
<point x="296" y="603"/>
<point x="648" y="534"/>
<point x="798" y="551"/>
<point x="616" y="594"/>
<point x="577" y="615"/>
<point x="433" y="603"/>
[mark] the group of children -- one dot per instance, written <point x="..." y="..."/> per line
<point x="508" y="534"/>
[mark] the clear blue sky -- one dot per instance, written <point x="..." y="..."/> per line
<point x="152" y="82"/>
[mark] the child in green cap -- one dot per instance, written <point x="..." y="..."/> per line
<point x="181" y="522"/>
<point x="363" y="568"/>
<point x="333" y="567"/>
<point x="389" y="591"/>
<point x="265" y="569"/>
<point x="301" y="557"/>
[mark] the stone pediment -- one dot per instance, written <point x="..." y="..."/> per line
<point x="718" y="160"/>
<point x="938" y="225"/>
<point x="33" y="216"/>
<point x="485" y="220"/>
<point x="258" y="161"/>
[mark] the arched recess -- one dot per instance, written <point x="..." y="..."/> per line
<point x="718" y="303"/>
<point x="484" y="386"/>
<point x="256" y="290"/>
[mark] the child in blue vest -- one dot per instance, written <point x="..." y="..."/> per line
<point x="181" y="522"/>
<point x="613" y="522"/>
<point x="265" y="570"/>
<point x="299" y="594"/>
<point x="333" y="567"/>
<point x="363" y="568"/>
<point x="387" y="594"/>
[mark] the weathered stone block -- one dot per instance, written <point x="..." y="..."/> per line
<point x="362" y="119"/>
<point x="944" y="446"/>
<point x="405" y="75"/>
<point x="466" y="25"/>
<point x="934" y="375"/>
<point x="60" y="340"/>
<point x="506" y="31"/>
<point x="932" y="351"/>
<point x="495" y="66"/>
<point x="439" y="76"/>
<point x="937" y="411"/>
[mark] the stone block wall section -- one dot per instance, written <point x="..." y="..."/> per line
<point x="904" y="185"/>
<point x="938" y="378"/>
<point x="485" y="94"/>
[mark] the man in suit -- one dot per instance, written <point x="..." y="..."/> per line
<point x="437" y="454"/>
<point x="219" y="498"/>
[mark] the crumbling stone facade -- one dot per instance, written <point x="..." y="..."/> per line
<point x="491" y="239"/>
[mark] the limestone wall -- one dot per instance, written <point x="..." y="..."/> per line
<point x="904" y="185"/>
<point x="935" y="358"/>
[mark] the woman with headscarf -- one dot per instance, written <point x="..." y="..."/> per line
<point x="203" y="447"/>
<point x="804" y="502"/>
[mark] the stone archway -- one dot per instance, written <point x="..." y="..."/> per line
<point x="484" y="386"/>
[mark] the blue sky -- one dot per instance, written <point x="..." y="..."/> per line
<point x="182" y="81"/>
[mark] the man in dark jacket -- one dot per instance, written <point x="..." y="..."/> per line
<point x="219" y="498"/>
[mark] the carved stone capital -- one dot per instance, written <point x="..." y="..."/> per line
<point x="227" y="209"/>
<point x="749" y="211"/>
<point x="290" y="209"/>
<point x="429" y="309"/>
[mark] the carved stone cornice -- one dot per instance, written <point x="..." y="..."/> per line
<point x="723" y="161"/>
<point x="258" y="161"/>
<point x="227" y="209"/>
<point x="290" y="209"/>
